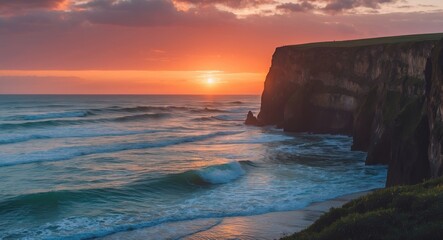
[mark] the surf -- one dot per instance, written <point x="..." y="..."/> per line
<point x="177" y="183"/>
<point x="11" y="139"/>
<point x="61" y="122"/>
<point x="71" y="152"/>
<point x="50" y="115"/>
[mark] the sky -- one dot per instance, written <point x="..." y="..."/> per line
<point x="179" y="46"/>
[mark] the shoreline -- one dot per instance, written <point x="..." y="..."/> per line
<point x="273" y="225"/>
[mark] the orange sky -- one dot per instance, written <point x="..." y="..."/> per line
<point x="174" y="47"/>
<point x="132" y="82"/>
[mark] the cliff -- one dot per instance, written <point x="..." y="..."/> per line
<point x="375" y="90"/>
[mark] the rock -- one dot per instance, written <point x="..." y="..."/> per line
<point x="408" y="162"/>
<point x="251" y="119"/>
<point x="374" y="90"/>
<point x="417" y="132"/>
<point x="434" y="110"/>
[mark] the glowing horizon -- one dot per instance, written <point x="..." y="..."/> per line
<point x="131" y="82"/>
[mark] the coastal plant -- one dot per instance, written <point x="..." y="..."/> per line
<point x="403" y="212"/>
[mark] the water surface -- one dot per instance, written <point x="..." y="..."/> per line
<point x="77" y="167"/>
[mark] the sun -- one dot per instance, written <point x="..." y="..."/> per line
<point x="210" y="81"/>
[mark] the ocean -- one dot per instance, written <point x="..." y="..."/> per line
<point x="87" y="166"/>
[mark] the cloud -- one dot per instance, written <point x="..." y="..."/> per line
<point x="242" y="45"/>
<point x="14" y="6"/>
<point x="335" y="6"/>
<point x="427" y="5"/>
<point x="303" y="6"/>
<point x="229" y="3"/>
<point x="131" y="13"/>
<point x="148" y="13"/>
<point x="332" y="6"/>
<point x="38" y="21"/>
<point x="111" y="35"/>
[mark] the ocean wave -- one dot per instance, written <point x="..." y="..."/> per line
<point x="40" y="106"/>
<point x="227" y="118"/>
<point x="170" y="183"/>
<point x="51" y="115"/>
<point x="139" y="109"/>
<point x="141" y="117"/>
<point x="206" y="109"/>
<point x="154" y="108"/>
<point x="24" y="138"/>
<point x="204" y="119"/>
<point x="186" y="184"/>
<point x="224" y="118"/>
<point x="66" y="153"/>
<point x="192" y="179"/>
<point x="64" y="122"/>
<point x="222" y="173"/>
<point x="113" y="109"/>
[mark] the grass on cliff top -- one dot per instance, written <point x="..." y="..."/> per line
<point x="371" y="41"/>
<point x="406" y="212"/>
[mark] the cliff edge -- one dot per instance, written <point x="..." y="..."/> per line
<point x="386" y="93"/>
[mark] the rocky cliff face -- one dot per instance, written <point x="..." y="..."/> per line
<point x="416" y="151"/>
<point x="434" y="110"/>
<point x="375" y="90"/>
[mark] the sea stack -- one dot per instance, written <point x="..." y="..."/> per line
<point x="251" y="119"/>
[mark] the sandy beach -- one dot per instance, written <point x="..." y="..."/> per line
<point x="265" y="226"/>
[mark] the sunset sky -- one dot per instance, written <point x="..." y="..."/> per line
<point x="179" y="46"/>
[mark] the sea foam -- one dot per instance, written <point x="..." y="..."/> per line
<point x="222" y="173"/>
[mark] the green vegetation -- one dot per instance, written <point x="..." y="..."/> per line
<point x="405" y="212"/>
<point x="372" y="41"/>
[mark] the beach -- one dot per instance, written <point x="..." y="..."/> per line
<point x="267" y="226"/>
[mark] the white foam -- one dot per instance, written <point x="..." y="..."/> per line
<point x="222" y="173"/>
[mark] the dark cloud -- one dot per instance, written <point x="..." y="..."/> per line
<point x="38" y="21"/>
<point x="405" y="6"/>
<point x="13" y="6"/>
<point x="149" y="13"/>
<point x="296" y="7"/>
<point x="332" y="6"/>
<point x="335" y="6"/>
<point x="131" y="13"/>
<point x="427" y="5"/>
<point x="230" y="3"/>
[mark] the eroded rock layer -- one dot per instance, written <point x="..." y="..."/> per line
<point x="375" y="90"/>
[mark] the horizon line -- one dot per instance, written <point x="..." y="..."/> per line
<point x="122" y="94"/>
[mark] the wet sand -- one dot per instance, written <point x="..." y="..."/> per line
<point x="265" y="226"/>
